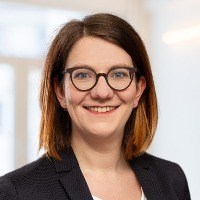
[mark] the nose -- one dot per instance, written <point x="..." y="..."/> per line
<point x="102" y="89"/>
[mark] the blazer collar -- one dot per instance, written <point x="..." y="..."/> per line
<point x="147" y="176"/>
<point x="68" y="161"/>
<point x="71" y="177"/>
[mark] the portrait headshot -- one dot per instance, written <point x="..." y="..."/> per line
<point x="102" y="126"/>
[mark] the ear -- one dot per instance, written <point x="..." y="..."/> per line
<point x="140" y="87"/>
<point x="59" y="90"/>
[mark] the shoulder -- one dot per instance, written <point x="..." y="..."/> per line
<point x="159" y="164"/>
<point x="37" y="167"/>
<point x="23" y="177"/>
<point x="7" y="190"/>
<point x="164" y="172"/>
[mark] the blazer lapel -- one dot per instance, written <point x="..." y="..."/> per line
<point x="71" y="177"/>
<point x="148" y="178"/>
<point x="74" y="183"/>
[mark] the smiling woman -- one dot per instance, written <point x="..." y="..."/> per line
<point x="121" y="94"/>
<point x="99" y="115"/>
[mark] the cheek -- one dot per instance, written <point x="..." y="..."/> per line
<point x="128" y="95"/>
<point x="73" y="97"/>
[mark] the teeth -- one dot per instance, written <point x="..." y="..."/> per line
<point x="101" y="109"/>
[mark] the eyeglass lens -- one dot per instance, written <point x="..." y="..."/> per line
<point x="85" y="79"/>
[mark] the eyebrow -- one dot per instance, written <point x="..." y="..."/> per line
<point x="110" y="68"/>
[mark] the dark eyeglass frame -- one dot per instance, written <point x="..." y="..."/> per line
<point x="132" y="71"/>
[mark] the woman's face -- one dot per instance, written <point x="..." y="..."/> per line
<point x="101" y="111"/>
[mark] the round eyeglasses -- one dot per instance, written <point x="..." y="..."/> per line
<point x="85" y="78"/>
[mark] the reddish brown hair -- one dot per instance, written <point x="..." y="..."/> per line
<point x="55" y="130"/>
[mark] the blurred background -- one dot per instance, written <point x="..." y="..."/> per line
<point x="171" y="32"/>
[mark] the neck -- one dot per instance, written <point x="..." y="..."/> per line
<point x="102" y="154"/>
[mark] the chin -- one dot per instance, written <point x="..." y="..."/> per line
<point x="103" y="132"/>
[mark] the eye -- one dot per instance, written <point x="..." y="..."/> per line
<point x="119" y="74"/>
<point x="81" y="75"/>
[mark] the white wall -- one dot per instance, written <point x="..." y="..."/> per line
<point x="176" y="68"/>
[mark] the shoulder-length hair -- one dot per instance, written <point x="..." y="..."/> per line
<point x="55" y="129"/>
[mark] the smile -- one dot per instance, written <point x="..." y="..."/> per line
<point x="101" y="109"/>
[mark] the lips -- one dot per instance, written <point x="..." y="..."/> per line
<point x="101" y="109"/>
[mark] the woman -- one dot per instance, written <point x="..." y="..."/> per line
<point x="99" y="115"/>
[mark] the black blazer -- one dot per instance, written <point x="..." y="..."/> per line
<point x="49" y="179"/>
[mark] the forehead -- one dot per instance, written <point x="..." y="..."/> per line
<point x="96" y="52"/>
